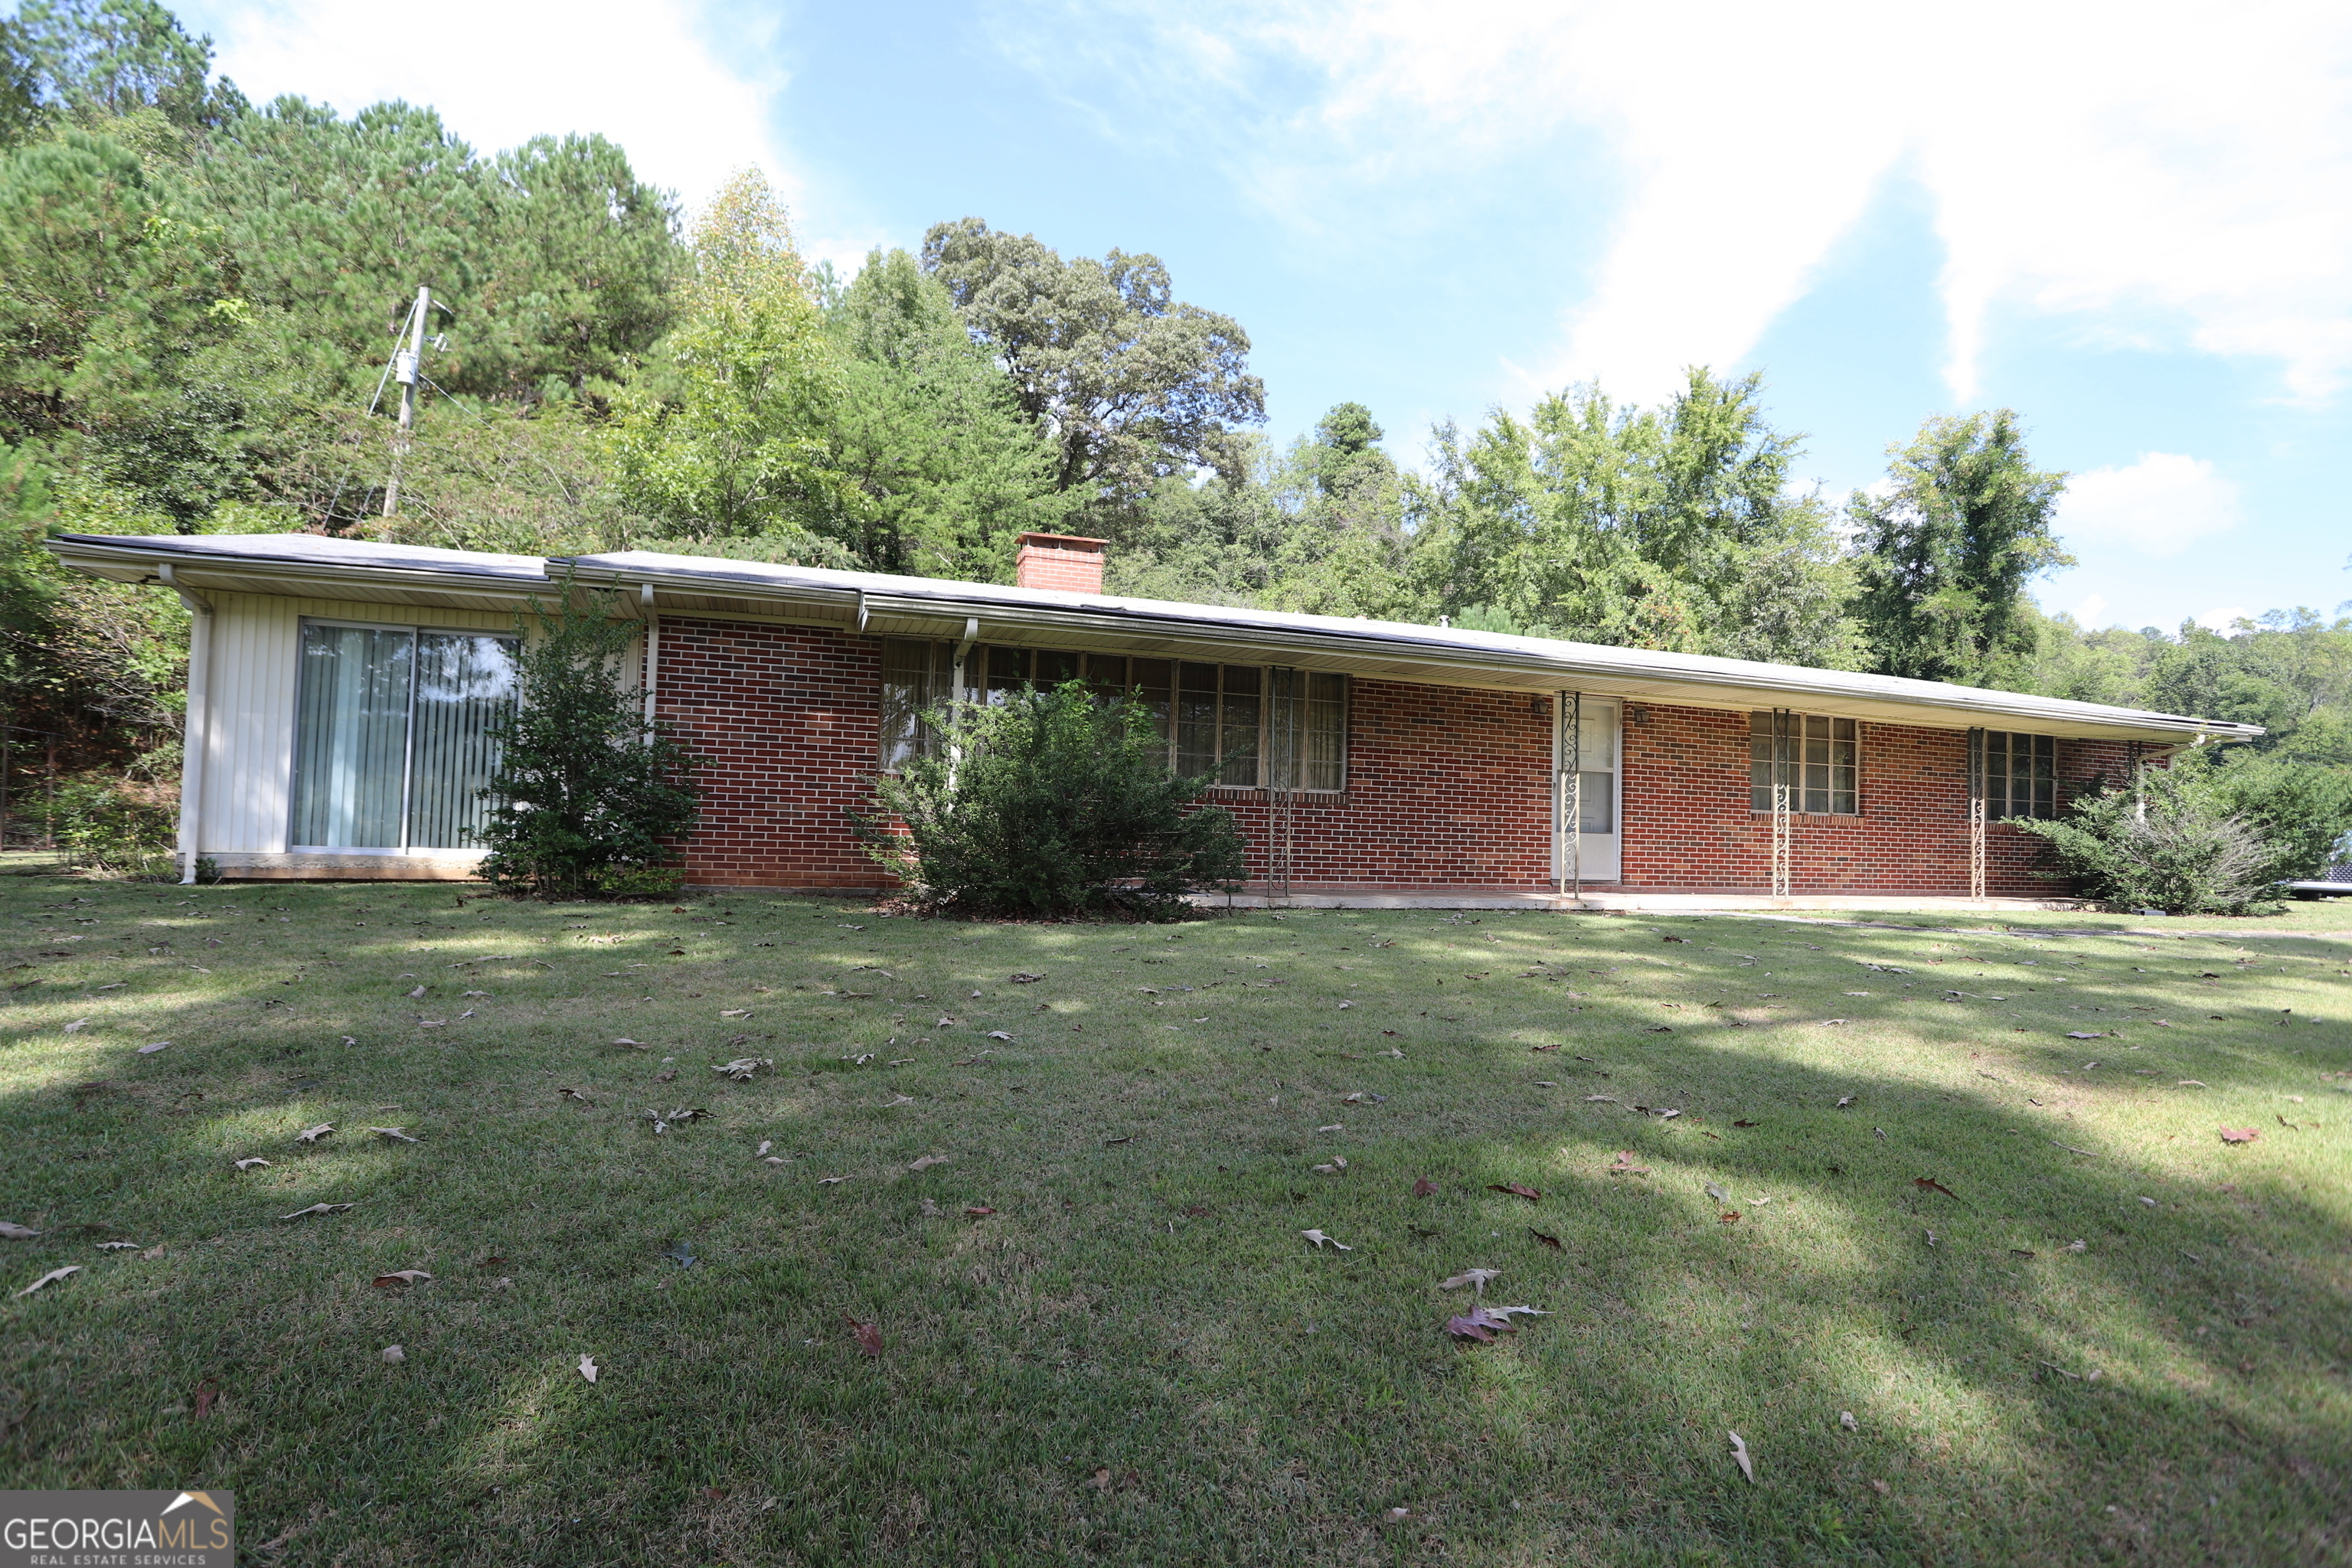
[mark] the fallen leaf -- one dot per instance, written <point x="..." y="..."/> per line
<point x="1740" y="1455"/>
<point x="1514" y="1190"/>
<point x="395" y="1134"/>
<point x="1880" y="1488"/>
<point x="741" y="1069"/>
<point x="402" y="1276"/>
<point x="2085" y="1035"/>
<point x="1550" y="1241"/>
<point x="928" y="1160"/>
<point x="575" y="1094"/>
<point x="11" y="1231"/>
<point x="1846" y="1101"/>
<point x="150" y="1050"/>
<point x="117" y="1246"/>
<point x="1930" y="1181"/>
<point x="867" y="1335"/>
<point x="588" y="1368"/>
<point x="633" y="1045"/>
<point x="2238" y="1134"/>
<point x="1025" y="978"/>
<point x="247" y="1164"/>
<point x="1423" y="1187"/>
<point x="418" y="992"/>
<point x="1743" y="1124"/>
<point x="736" y="1013"/>
<point x="206" y="1393"/>
<point x="1474" y="1278"/>
<point x="316" y="1208"/>
<point x="1718" y="1193"/>
<point x="312" y="1134"/>
<point x="1846" y="1420"/>
<point x="74" y="1028"/>
<point x="1319" y="1239"/>
<point x="51" y="1278"/>
<point x="1600" y="1099"/>
<point x="394" y="1355"/>
<point x="978" y="1211"/>
<point x="1624" y="1165"/>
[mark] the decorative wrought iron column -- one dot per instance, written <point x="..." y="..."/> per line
<point x="1784" y="766"/>
<point x="1568" y="791"/>
<point x="1978" y="771"/>
<point x="1283" y="724"/>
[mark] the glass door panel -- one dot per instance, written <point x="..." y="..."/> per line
<point x="351" y="745"/>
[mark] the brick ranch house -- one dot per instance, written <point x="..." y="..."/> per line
<point x="339" y="691"/>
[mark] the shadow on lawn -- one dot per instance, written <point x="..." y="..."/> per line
<point x="1270" y="1402"/>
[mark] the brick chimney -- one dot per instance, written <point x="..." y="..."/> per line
<point x="1062" y="560"/>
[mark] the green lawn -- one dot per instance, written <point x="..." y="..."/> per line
<point x="1137" y="1358"/>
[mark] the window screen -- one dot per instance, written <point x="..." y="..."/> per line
<point x="2021" y="774"/>
<point x="1216" y="719"/>
<point x="391" y="744"/>
<point x="1815" y="757"/>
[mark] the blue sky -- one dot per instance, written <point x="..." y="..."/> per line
<point x="2133" y="223"/>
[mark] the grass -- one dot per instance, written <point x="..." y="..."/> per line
<point x="1136" y="1358"/>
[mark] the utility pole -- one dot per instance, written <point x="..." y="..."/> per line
<point x="405" y="365"/>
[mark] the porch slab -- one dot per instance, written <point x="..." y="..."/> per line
<point x="1624" y="900"/>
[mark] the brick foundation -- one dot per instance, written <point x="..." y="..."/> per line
<point x="1446" y="787"/>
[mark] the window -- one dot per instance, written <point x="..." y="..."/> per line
<point x="391" y="737"/>
<point x="1814" y="757"/>
<point x="1241" y="725"/>
<point x="2021" y="774"/>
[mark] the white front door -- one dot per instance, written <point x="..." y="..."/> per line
<point x="1590" y="756"/>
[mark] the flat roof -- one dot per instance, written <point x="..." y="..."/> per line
<point x="878" y="604"/>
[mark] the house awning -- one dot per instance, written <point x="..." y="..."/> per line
<point x="877" y="604"/>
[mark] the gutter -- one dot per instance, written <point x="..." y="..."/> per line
<point x="195" y="737"/>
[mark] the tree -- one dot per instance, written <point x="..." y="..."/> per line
<point x="941" y="466"/>
<point x="1668" y="528"/>
<point x="90" y="61"/>
<point x="1049" y="803"/>
<point x="1343" y="544"/>
<point x="1942" y="559"/>
<point x="2166" y="840"/>
<point x="588" y="798"/>
<point x="1132" y="384"/>
<point x="727" y="432"/>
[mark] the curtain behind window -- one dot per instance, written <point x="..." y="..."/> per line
<point x="463" y="683"/>
<point x="350" y="748"/>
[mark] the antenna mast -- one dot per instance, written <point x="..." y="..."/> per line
<point x="405" y="367"/>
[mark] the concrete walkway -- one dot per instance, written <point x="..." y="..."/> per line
<point x="1626" y="900"/>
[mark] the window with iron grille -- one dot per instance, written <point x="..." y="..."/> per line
<point x="1816" y="758"/>
<point x="2021" y="774"/>
<point x="1242" y="725"/>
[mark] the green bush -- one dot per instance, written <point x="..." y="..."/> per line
<point x="1048" y="805"/>
<point x="588" y="800"/>
<point x="2300" y="809"/>
<point x="2167" y="840"/>
<point x="108" y="824"/>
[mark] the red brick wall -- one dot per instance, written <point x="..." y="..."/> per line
<point x="1445" y="786"/>
<point x="789" y="718"/>
<point x="1689" y="822"/>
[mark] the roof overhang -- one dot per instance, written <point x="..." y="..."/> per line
<point x="879" y="606"/>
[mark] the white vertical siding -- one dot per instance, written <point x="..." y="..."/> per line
<point x="249" y="753"/>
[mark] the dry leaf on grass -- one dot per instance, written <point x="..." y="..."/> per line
<point x="1550" y="1241"/>
<point x="395" y="1135"/>
<point x="1739" y="1456"/>
<point x="2238" y="1134"/>
<point x="1423" y="1187"/>
<point x="75" y="1028"/>
<point x="51" y="1278"/>
<point x="588" y="1368"/>
<point x="401" y="1277"/>
<point x="316" y="1208"/>
<point x="1930" y="1183"/>
<point x="1474" y="1278"/>
<point x="312" y="1134"/>
<point x="11" y="1231"/>
<point x="928" y="1160"/>
<point x="394" y="1355"/>
<point x="633" y="1045"/>
<point x="978" y="1211"/>
<point x="1845" y="1101"/>
<point x="1600" y="1100"/>
<point x="580" y="1095"/>
<point x="117" y="1246"/>
<point x="1026" y="978"/>
<point x="1319" y="1240"/>
<point x="150" y="1050"/>
<point x="867" y="1335"/>
<point x="247" y="1164"/>
<point x="418" y="992"/>
<point x="742" y="1069"/>
<point x="1718" y="1193"/>
<point x="2085" y="1035"/>
<point x="1846" y="1420"/>
<point x="1514" y="1189"/>
<point x="1625" y="1166"/>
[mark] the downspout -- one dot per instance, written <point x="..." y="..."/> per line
<point x="196" y="729"/>
<point x="653" y="646"/>
<point x="956" y="697"/>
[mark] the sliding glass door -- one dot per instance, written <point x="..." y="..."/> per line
<point x="391" y="735"/>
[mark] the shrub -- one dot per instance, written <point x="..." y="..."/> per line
<point x="108" y="824"/>
<point x="588" y="798"/>
<point x="1049" y="803"/>
<point x="2300" y="810"/>
<point x="2166" y="841"/>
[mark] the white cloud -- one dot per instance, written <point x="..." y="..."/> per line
<point x="2087" y="613"/>
<point x="647" y="74"/>
<point x="2158" y="506"/>
<point x="2169" y="173"/>
<point x="2222" y="620"/>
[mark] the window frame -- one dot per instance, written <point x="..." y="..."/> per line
<point x="982" y="681"/>
<point x="408" y="736"/>
<point x="2040" y="790"/>
<point x="1801" y="764"/>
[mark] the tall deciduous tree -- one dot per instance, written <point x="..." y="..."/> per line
<point x="727" y="432"/>
<point x="1132" y="384"/>
<point x="1943" y="555"/>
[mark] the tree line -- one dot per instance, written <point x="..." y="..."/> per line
<point x="198" y="296"/>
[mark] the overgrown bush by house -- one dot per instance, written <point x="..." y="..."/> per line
<point x="1048" y="805"/>
<point x="108" y="823"/>
<point x="2166" y="839"/>
<point x="588" y="800"/>
<point x="2301" y="808"/>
